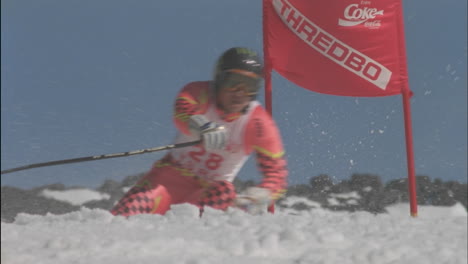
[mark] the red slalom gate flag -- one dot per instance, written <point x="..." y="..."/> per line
<point x="349" y="48"/>
<point x="337" y="47"/>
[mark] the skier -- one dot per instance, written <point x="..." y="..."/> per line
<point x="224" y="114"/>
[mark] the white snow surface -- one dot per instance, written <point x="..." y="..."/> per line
<point x="74" y="196"/>
<point x="437" y="235"/>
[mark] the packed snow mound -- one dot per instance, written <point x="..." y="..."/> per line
<point x="232" y="237"/>
<point x="458" y="210"/>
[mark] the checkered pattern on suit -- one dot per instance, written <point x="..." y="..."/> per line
<point x="219" y="195"/>
<point x="141" y="200"/>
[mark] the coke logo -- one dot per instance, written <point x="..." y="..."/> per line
<point x="353" y="12"/>
<point x="354" y="15"/>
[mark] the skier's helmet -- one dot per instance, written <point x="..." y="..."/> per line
<point x="239" y="61"/>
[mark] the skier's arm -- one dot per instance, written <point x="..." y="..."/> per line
<point x="191" y="100"/>
<point x="264" y="138"/>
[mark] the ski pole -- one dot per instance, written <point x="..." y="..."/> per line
<point x="99" y="157"/>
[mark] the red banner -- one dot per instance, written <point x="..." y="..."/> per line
<point x="350" y="48"/>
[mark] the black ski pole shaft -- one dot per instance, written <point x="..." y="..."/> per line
<point x="100" y="157"/>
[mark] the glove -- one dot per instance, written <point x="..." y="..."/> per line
<point x="212" y="135"/>
<point x="254" y="200"/>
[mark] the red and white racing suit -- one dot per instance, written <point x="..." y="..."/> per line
<point x="204" y="178"/>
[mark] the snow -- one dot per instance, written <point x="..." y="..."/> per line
<point x="74" y="196"/>
<point x="290" y="201"/>
<point x="350" y="198"/>
<point x="437" y="235"/>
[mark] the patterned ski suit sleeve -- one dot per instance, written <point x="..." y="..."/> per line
<point x="191" y="100"/>
<point x="264" y="138"/>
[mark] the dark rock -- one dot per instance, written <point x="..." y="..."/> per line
<point x="15" y="201"/>
<point x="321" y="183"/>
<point x="362" y="192"/>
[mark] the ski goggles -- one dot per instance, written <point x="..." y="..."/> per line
<point x="234" y="82"/>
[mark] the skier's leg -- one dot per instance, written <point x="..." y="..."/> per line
<point x="218" y="194"/>
<point x="149" y="195"/>
<point x="143" y="200"/>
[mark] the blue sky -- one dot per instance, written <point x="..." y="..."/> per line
<point x="86" y="77"/>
